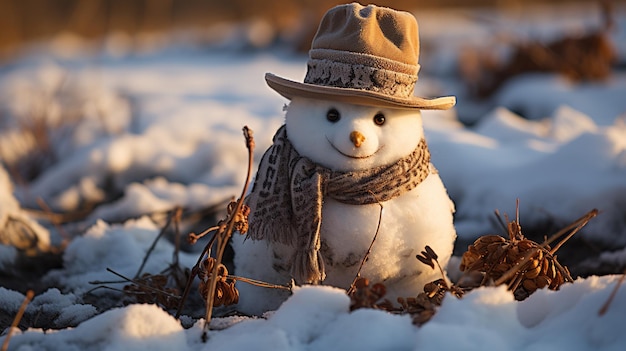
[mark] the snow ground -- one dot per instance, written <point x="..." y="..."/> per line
<point x="318" y="318"/>
<point x="164" y="130"/>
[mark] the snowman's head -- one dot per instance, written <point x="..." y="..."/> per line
<point x="348" y="137"/>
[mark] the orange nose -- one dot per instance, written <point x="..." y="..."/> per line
<point x="357" y="138"/>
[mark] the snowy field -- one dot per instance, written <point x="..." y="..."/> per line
<point x="152" y="131"/>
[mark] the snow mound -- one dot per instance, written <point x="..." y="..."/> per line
<point x="118" y="247"/>
<point x="136" y="327"/>
<point x="318" y="318"/>
<point x="559" y="167"/>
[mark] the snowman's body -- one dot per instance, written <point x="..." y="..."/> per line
<point x="347" y="137"/>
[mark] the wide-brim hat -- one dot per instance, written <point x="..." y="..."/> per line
<point x="363" y="55"/>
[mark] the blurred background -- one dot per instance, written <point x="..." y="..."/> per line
<point x="482" y="42"/>
<point x="469" y="48"/>
<point x="137" y="24"/>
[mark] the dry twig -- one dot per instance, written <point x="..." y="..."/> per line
<point x="608" y="302"/>
<point x="163" y="288"/>
<point x="174" y="214"/>
<point x="212" y="269"/>
<point x="17" y="319"/>
<point x="224" y="235"/>
<point x="369" y="250"/>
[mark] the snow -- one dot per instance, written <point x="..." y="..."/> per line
<point x="490" y="319"/>
<point x="163" y="129"/>
<point x="560" y="167"/>
<point x="318" y="318"/>
<point x="117" y="247"/>
<point x="135" y="327"/>
<point x="600" y="101"/>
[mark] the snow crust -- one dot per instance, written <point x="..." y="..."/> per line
<point x="318" y="318"/>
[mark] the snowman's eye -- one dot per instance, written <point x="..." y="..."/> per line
<point x="333" y="115"/>
<point x="379" y="119"/>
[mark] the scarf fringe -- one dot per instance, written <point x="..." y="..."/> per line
<point x="308" y="267"/>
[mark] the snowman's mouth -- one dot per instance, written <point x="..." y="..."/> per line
<point x="353" y="156"/>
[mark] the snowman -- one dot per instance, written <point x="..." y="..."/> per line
<point x="350" y="163"/>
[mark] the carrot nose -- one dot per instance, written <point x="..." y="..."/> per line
<point x="357" y="138"/>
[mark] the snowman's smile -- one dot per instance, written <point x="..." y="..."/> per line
<point x="352" y="156"/>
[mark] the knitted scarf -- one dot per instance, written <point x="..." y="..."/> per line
<point x="287" y="196"/>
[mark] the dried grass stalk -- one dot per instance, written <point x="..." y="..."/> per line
<point x="17" y="319"/>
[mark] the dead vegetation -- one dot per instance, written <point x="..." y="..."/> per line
<point x="523" y="265"/>
<point x="54" y="112"/>
<point x="43" y="121"/>
<point x="421" y="308"/>
<point x="164" y="288"/>
<point x="580" y="58"/>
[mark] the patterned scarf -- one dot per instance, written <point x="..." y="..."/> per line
<point x="287" y="196"/>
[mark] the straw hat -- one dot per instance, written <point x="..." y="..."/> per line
<point x="364" y="55"/>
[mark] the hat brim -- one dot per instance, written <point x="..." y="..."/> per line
<point x="290" y="89"/>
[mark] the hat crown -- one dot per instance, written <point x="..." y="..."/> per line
<point x="371" y="30"/>
<point x="363" y="55"/>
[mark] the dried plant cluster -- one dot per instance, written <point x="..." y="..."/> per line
<point x="421" y="307"/>
<point x="153" y="289"/>
<point x="208" y="268"/>
<point x="522" y="264"/>
<point x="225" y="291"/>
<point x="494" y="256"/>
<point x="216" y="287"/>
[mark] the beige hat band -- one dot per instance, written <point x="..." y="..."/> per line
<point x="357" y="58"/>
<point x="357" y="76"/>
